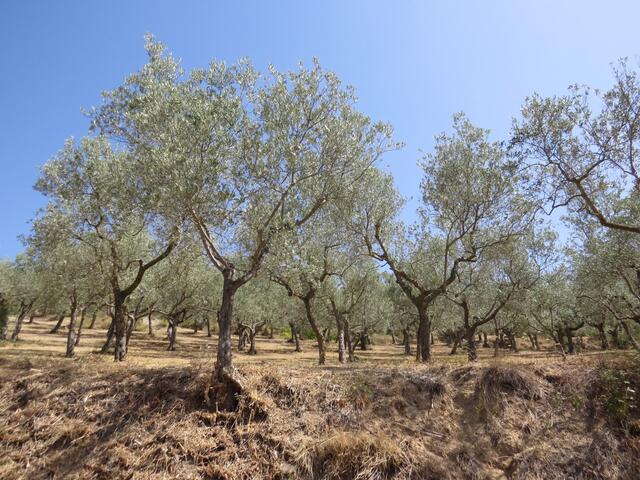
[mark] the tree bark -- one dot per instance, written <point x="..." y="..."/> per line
<point x="4" y="318"/>
<point x="120" y="327"/>
<point x="296" y="337"/>
<point x="82" y="317"/>
<point x="24" y="309"/>
<point x="340" y="326"/>
<point x="173" y="330"/>
<point x="71" y="335"/>
<point x="225" y="318"/>
<point x="314" y="326"/>
<point x="107" y="344"/>
<point x="94" y="316"/>
<point x="633" y="341"/>
<point x="615" y="336"/>
<point x="470" y="335"/>
<point x="604" y="342"/>
<point x="252" y="342"/>
<point x="406" y="341"/>
<point x="571" y="348"/>
<point x="150" y="324"/>
<point x="58" y="324"/>
<point x="485" y="340"/>
<point x="208" y="326"/>
<point x="423" y="341"/>
<point x="364" y="340"/>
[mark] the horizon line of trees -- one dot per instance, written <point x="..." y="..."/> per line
<point x="256" y="198"/>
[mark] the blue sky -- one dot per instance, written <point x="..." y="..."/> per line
<point x="413" y="63"/>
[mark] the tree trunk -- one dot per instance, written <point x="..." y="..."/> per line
<point x="94" y="316"/>
<point x="615" y="336"/>
<point x="24" y="309"/>
<point x="364" y="340"/>
<point x="150" y="324"/>
<point x="424" y="332"/>
<point x="208" y="326"/>
<point x="58" y="324"/>
<point x="630" y="336"/>
<point x="82" y="317"/>
<point x="120" y="328"/>
<point x="71" y="336"/>
<point x="296" y="337"/>
<point x="340" y="326"/>
<point x="4" y="318"/>
<point x="314" y="326"/>
<point x="571" y="348"/>
<point x="561" y="339"/>
<point x="470" y="335"/>
<point x="173" y="330"/>
<point x="406" y="341"/>
<point x="242" y="339"/>
<point x="225" y="318"/>
<point x="456" y="343"/>
<point x="485" y="340"/>
<point x="604" y="342"/>
<point x="252" y="342"/>
<point x="107" y="344"/>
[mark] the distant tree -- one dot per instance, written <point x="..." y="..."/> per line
<point x="93" y="187"/>
<point x="470" y="202"/>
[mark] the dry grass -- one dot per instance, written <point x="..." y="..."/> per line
<point x="526" y="416"/>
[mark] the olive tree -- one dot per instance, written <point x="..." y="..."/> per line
<point x="581" y="150"/>
<point x="92" y="186"/>
<point x="470" y="202"/>
<point x="244" y="157"/>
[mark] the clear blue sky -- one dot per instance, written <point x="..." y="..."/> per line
<point x="413" y="63"/>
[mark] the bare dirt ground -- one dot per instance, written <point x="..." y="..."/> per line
<point x="524" y="415"/>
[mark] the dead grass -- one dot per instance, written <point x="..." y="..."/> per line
<point x="523" y="417"/>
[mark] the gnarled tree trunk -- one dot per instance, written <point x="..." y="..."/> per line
<point x="71" y="336"/>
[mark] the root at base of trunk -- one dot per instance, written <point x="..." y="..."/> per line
<point x="225" y="390"/>
<point x="228" y="394"/>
